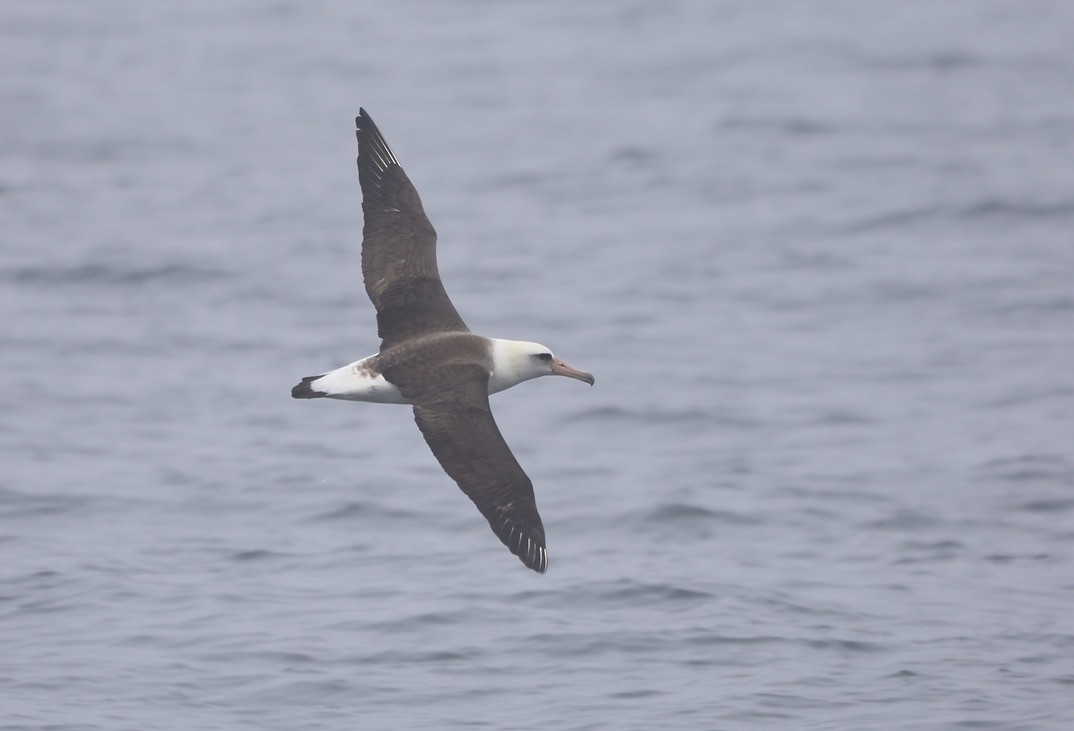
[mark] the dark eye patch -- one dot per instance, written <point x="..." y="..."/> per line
<point x="544" y="356"/>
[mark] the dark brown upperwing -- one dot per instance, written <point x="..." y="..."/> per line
<point x="452" y="411"/>
<point x="399" y="247"/>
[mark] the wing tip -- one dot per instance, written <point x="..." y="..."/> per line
<point x="529" y="549"/>
<point x="372" y="146"/>
<point x="535" y="559"/>
<point x="540" y="562"/>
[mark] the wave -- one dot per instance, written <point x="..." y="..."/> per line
<point x="112" y="275"/>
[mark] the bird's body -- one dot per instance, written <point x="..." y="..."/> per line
<point x="430" y="360"/>
<point x="363" y="380"/>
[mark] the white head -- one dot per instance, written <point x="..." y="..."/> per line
<point x="515" y="361"/>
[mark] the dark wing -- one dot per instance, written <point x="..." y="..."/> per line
<point x="454" y="416"/>
<point x="399" y="247"/>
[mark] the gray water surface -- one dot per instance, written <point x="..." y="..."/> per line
<point x="819" y="256"/>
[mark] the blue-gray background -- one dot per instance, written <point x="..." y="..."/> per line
<point x="818" y="254"/>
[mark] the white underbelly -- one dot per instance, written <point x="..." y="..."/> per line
<point x="355" y="382"/>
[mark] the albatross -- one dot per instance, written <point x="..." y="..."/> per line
<point x="430" y="360"/>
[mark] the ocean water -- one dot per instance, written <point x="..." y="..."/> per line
<point x="819" y="256"/>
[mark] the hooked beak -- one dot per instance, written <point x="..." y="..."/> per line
<point x="559" y="368"/>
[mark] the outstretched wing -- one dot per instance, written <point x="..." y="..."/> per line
<point x="399" y="247"/>
<point x="452" y="411"/>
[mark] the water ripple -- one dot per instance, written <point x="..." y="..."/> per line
<point x="112" y="275"/>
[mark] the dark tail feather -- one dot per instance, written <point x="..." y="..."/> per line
<point x="304" y="390"/>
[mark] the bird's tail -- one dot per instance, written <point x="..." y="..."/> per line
<point x="305" y="390"/>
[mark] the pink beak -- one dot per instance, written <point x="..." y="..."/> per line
<point x="560" y="368"/>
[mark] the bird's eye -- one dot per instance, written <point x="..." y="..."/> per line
<point x="544" y="356"/>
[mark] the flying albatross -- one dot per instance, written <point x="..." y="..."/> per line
<point x="429" y="359"/>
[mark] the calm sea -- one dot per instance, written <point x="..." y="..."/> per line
<point x="819" y="255"/>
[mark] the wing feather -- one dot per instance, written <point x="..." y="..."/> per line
<point x="399" y="247"/>
<point x="453" y="415"/>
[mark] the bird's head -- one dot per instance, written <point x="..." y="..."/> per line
<point x="518" y="360"/>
